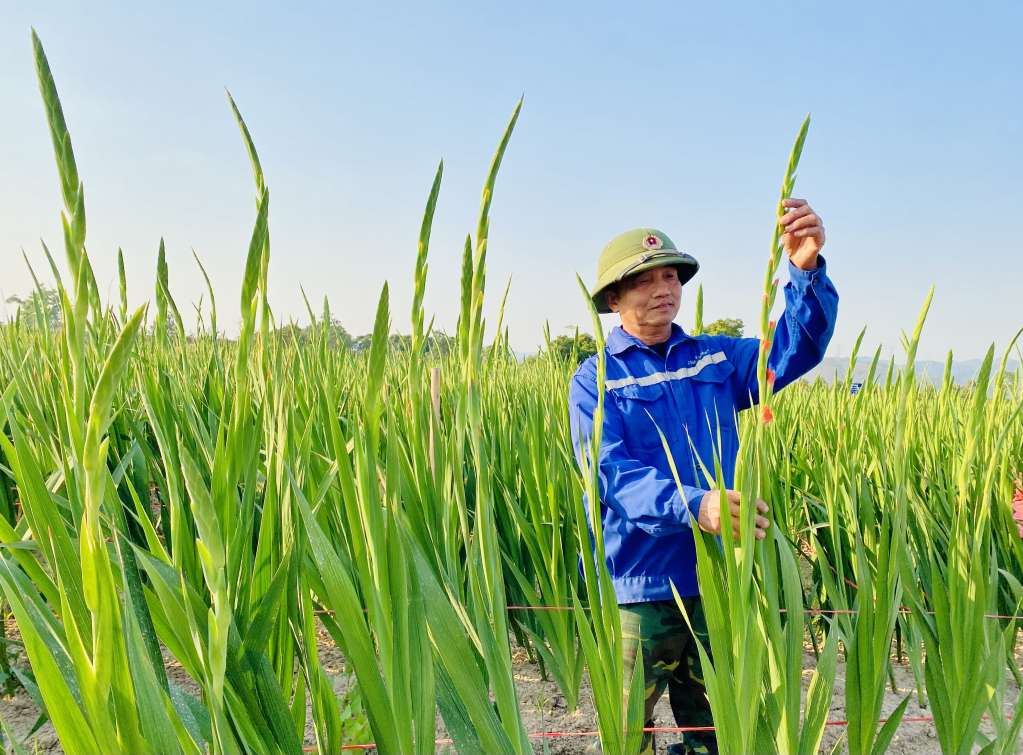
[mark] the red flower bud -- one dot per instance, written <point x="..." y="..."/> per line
<point x="767" y="415"/>
<point x="770" y="378"/>
<point x="776" y="281"/>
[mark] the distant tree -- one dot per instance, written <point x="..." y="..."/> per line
<point x="440" y="343"/>
<point x="172" y="329"/>
<point x="583" y="344"/>
<point x="435" y="343"/>
<point x="399" y="342"/>
<point x="725" y="327"/>
<point x="336" y="333"/>
<point x="360" y="343"/>
<point x="48" y="307"/>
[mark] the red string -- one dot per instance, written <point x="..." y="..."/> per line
<point x="830" y="612"/>
<point x="671" y="729"/>
<point x="676" y="729"/>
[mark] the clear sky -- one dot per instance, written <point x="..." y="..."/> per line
<point x="676" y="115"/>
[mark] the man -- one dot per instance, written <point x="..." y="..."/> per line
<point x="690" y="387"/>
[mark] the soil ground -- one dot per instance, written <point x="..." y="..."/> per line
<point x="544" y="710"/>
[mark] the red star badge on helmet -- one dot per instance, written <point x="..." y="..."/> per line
<point x="651" y="243"/>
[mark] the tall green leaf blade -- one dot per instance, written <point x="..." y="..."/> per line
<point x="348" y="613"/>
<point x="68" y="719"/>
<point x="58" y="129"/>
<point x="456" y="654"/>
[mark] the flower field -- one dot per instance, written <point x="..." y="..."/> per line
<point x="168" y="493"/>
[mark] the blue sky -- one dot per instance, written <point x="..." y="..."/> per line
<point x="674" y="115"/>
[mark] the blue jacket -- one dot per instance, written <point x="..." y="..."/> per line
<point x="648" y="525"/>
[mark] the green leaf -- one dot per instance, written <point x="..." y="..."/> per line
<point x="257" y="169"/>
<point x="263" y="622"/>
<point x="453" y="649"/>
<point x="818" y="697"/>
<point x="884" y="737"/>
<point x="58" y="129"/>
<point x="344" y="601"/>
<point x="483" y="224"/>
<point x="456" y="718"/>
<point x="68" y="719"/>
<point x="274" y="707"/>
<point x="15" y="744"/>
<point x="378" y="353"/>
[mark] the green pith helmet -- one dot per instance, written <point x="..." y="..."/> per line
<point x="632" y="253"/>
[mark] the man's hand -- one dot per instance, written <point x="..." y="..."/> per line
<point x="802" y="234"/>
<point x="710" y="513"/>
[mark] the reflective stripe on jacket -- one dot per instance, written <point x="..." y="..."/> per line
<point x="700" y="385"/>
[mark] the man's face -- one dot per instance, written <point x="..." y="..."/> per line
<point x="648" y="300"/>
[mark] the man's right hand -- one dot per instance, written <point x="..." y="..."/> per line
<point x="710" y="513"/>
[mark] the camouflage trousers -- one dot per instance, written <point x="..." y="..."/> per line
<point x="670" y="659"/>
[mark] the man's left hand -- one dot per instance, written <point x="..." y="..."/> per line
<point x="802" y="234"/>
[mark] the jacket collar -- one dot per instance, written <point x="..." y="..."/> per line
<point x="619" y="341"/>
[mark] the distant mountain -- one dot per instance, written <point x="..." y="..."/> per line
<point x="961" y="371"/>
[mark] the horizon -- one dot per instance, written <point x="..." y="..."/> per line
<point x="912" y="158"/>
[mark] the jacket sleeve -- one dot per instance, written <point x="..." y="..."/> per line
<point x="800" y="340"/>
<point x="632" y="489"/>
